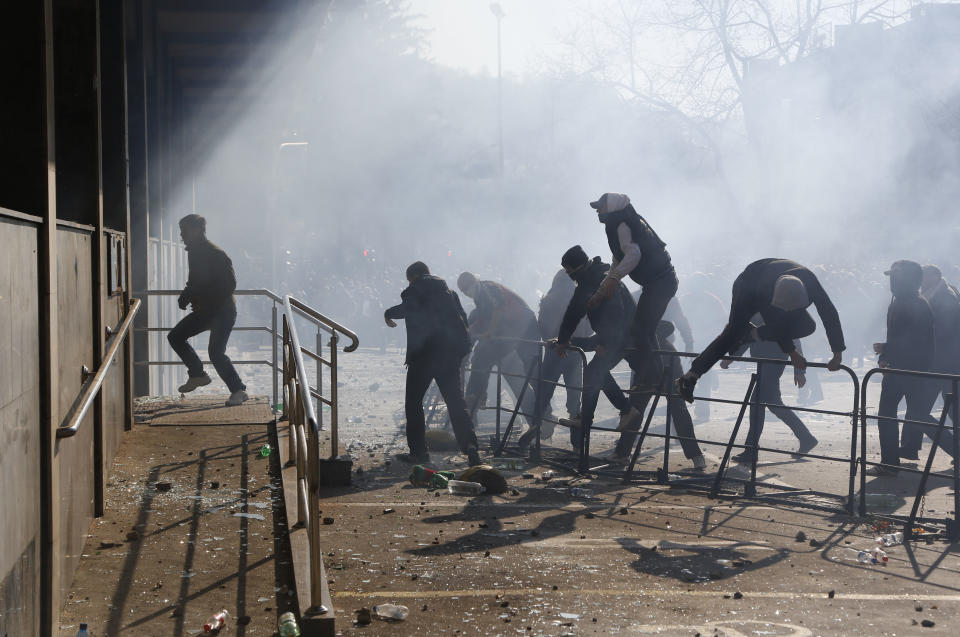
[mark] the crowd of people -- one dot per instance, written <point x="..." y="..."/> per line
<point x="589" y="306"/>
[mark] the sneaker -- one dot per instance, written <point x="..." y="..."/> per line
<point x="699" y="462"/>
<point x="746" y="457"/>
<point x="237" y="398"/>
<point x="685" y="385"/>
<point x="195" y="381"/>
<point x="628" y="418"/>
<point x="414" y="458"/>
<point x="473" y="458"/>
<point x="909" y="454"/>
<point x="805" y="446"/>
<point x="881" y="472"/>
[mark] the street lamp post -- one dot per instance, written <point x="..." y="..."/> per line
<point x="497" y="11"/>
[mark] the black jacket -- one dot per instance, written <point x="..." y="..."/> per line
<point x="501" y="312"/>
<point x="654" y="258"/>
<point x="435" y="320"/>
<point x="211" y="280"/>
<point x="945" y="304"/>
<point x="753" y="292"/>
<point x="610" y="320"/>
<point x="910" y="333"/>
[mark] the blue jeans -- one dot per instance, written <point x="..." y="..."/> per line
<point x="220" y="323"/>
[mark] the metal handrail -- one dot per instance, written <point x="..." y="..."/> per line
<point x="304" y="428"/>
<point x="92" y="385"/>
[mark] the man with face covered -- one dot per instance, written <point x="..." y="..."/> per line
<point x="910" y="345"/>
<point x="779" y="290"/>
<point x="640" y="254"/>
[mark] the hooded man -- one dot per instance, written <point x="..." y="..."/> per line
<point x="437" y="341"/>
<point x="640" y="254"/>
<point x="910" y="345"/>
<point x="501" y="322"/>
<point x="609" y="319"/>
<point x="209" y="291"/>
<point x="944" y="301"/>
<point x="779" y="290"/>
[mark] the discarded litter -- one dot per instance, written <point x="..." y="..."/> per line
<point x="890" y="539"/>
<point x="421" y="476"/>
<point x="252" y="516"/>
<point x="580" y="492"/>
<point x="546" y="475"/>
<point x="83" y="631"/>
<point x="265" y="451"/>
<point x="459" y="487"/>
<point x="874" y="556"/>
<point x="392" y="612"/>
<point x="287" y="626"/>
<point x="216" y="622"/>
<point x="570" y="615"/>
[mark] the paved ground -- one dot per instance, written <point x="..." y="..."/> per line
<point x="638" y="559"/>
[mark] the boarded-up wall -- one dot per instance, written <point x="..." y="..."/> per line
<point x="20" y="423"/>
<point x="75" y="340"/>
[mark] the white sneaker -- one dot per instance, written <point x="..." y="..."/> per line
<point x="627" y="419"/>
<point x="699" y="462"/>
<point x="193" y="382"/>
<point x="237" y="398"/>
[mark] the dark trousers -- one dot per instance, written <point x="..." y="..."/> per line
<point x="794" y="325"/>
<point x="571" y="368"/>
<point x="597" y="378"/>
<point x="446" y="372"/>
<point x="911" y="437"/>
<point x="920" y="393"/>
<point x="493" y="351"/>
<point x="679" y="416"/>
<point x="768" y="391"/>
<point x="220" y="323"/>
<point x="651" y="305"/>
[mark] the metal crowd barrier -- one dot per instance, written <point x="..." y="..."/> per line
<point x="951" y="407"/>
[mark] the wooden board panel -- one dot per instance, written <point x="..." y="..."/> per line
<point x="20" y="422"/>
<point x="75" y="334"/>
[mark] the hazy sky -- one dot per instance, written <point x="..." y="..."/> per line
<point x="463" y="33"/>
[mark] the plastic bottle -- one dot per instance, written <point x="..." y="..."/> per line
<point x="879" y="556"/>
<point x="890" y="539"/>
<point x="865" y="557"/>
<point x="546" y="475"/>
<point x="580" y="492"/>
<point x="459" y="487"/>
<point x="83" y="631"/>
<point x="265" y="451"/>
<point x="441" y="478"/>
<point x="287" y="626"/>
<point x="394" y="612"/>
<point x="217" y="621"/>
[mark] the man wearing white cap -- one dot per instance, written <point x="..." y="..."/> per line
<point x="779" y="290"/>
<point x="640" y="254"/>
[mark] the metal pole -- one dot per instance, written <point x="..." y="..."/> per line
<point x="499" y="96"/>
<point x="756" y="411"/>
<point x="499" y="391"/>
<point x="334" y="417"/>
<point x="863" y="444"/>
<point x="663" y="477"/>
<point x="319" y="351"/>
<point x="954" y="533"/>
<point x="715" y="489"/>
<point x="273" y="343"/>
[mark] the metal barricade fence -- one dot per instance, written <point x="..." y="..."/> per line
<point x="581" y="462"/>
<point x="951" y="407"/>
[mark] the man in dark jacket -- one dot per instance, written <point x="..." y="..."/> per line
<point x="640" y="254"/>
<point x="209" y="290"/>
<point x="500" y="324"/>
<point x="437" y="341"/>
<point x="910" y="345"/>
<point x="779" y="290"/>
<point x="610" y="321"/>
<point x="944" y="301"/>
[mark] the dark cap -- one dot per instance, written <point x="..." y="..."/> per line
<point x="574" y="258"/>
<point x="906" y="268"/>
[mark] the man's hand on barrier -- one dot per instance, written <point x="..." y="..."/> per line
<point x="561" y="349"/>
<point x="834" y="363"/>
<point x="725" y="363"/>
<point x="183" y="301"/>
<point x="799" y="362"/>
<point x="389" y="321"/>
<point x="799" y="378"/>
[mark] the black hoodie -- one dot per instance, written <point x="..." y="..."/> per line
<point x="435" y="320"/>
<point x="610" y="320"/>
<point x="910" y="335"/>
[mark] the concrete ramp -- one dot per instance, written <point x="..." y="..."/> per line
<point x="205" y="410"/>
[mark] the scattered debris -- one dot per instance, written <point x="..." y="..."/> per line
<point x="163" y="487"/>
<point x="252" y="516"/>
<point x="363" y="616"/>
<point x="801" y="536"/>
